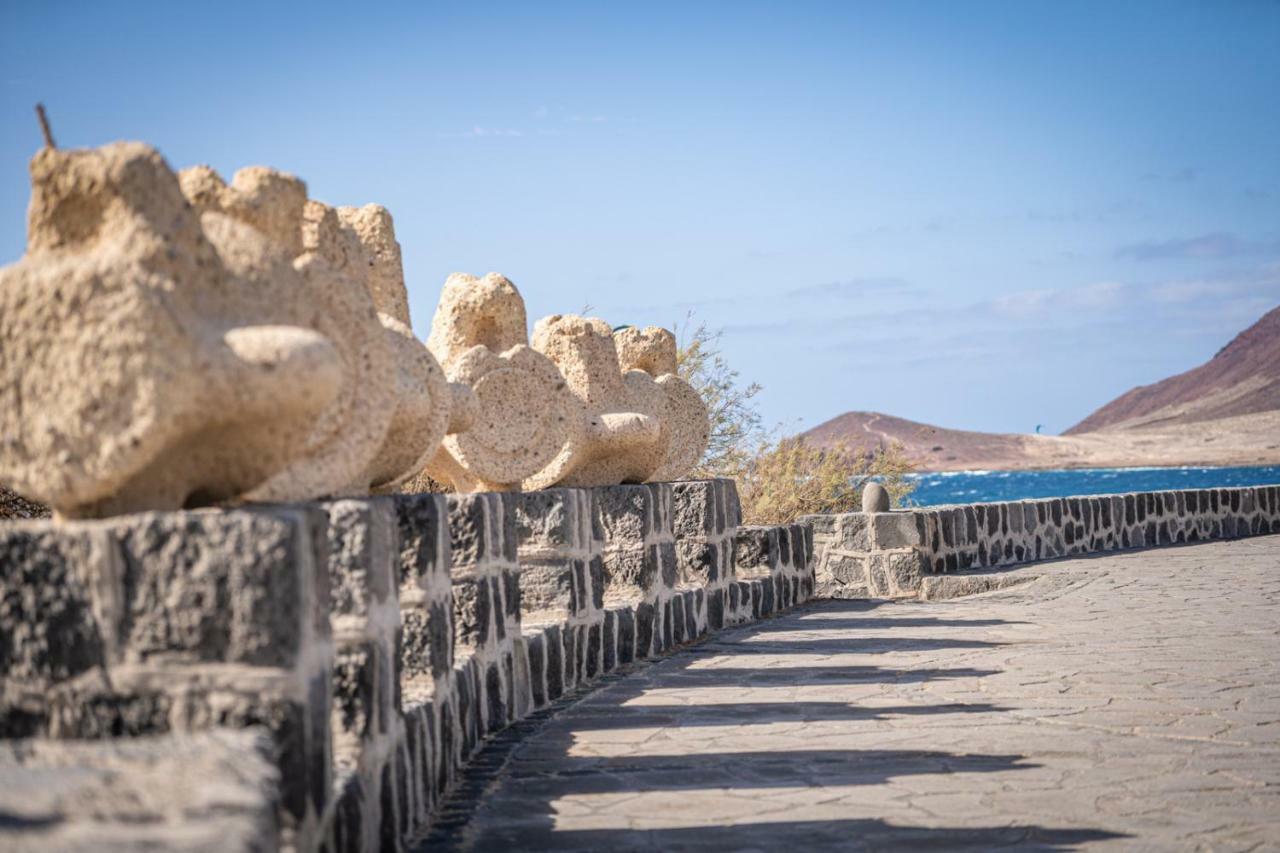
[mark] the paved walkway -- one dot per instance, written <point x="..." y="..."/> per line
<point x="1130" y="701"/>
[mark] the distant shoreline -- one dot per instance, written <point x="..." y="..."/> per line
<point x="1043" y="470"/>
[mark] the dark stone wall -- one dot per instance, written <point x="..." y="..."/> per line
<point x="886" y="554"/>
<point x="372" y="643"/>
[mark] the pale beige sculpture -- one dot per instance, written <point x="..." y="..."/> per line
<point x="622" y="413"/>
<point x="518" y="411"/>
<point x="641" y="421"/>
<point x="173" y="341"/>
<point x="361" y="243"/>
<point x="685" y="424"/>
<point x="152" y="358"/>
<point x="383" y="428"/>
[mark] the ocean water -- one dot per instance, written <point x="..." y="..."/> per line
<point x="955" y="487"/>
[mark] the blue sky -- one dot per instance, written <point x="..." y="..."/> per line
<point x="981" y="215"/>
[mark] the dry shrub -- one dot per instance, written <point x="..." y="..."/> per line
<point x="788" y="478"/>
<point x="735" y="423"/>
<point x="779" y="478"/>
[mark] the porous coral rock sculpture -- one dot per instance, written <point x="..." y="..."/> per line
<point x="361" y="243"/>
<point x="177" y="340"/>
<point x="152" y="358"/>
<point x="622" y="440"/>
<point x="685" y="424"/>
<point x="519" y="412"/>
<point x="351" y="260"/>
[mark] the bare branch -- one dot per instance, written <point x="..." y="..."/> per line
<point x="44" y="127"/>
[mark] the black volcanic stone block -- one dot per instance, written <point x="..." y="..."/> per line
<point x="593" y="650"/>
<point x="472" y="611"/>
<point x="497" y="711"/>
<point x="220" y="587"/>
<point x="464" y="694"/>
<point x="595" y="573"/>
<point x="631" y="568"/>
<point x="767" y="598"/>
<point x="447" y="756"/>
<point x="644" y="630"/>
<point x="349" y="811"/>
<point x="610" y="641"/>
<point x="569" y="641"/>
<point x="509" y="683"/>
<point x="354" y="685"/>
<point x="388" y="833"/>
<point x="555" y="664"/>
<point x="698" y="562"/>
<point x="668" y="640"/>
<point x="715" y="609"/>
<point x="624" y="513"/>
<point x="511" y="593"/>
<point x="497" y="608"/>
<point x="694" y="509"/>
<point x="548" y="518"/>
<point x="580" y="653"/>
<point x="753" y="546"/>
<point x="41" y="589"/>
<point x="677" y="617"/>
<point x="668" y="565"/>
<point x="535" y="645"/>
<point x="420" y="520"/>
<point x="627" y="643"/>
<point x="470" y="541"/>
<point x="357" y="540"/>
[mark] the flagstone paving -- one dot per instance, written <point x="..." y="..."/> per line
<point x="1130" y="701"/>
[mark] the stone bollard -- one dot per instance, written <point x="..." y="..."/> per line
<point x="875" y="498"/>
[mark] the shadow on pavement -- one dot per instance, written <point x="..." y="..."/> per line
<point x="528" y="779"/>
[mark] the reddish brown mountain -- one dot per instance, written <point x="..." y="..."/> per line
<point x="1225" y="412"/>
<point x="1242" y="379"/>
<point x="928" y="446"/>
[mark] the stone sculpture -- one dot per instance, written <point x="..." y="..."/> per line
<point x="138" y="364"/>
<point x="636" y="427"/>
<point x="171" y="344"/>
<point x="520" y="412"/>
<point x="354" y="254"/>
<point x="685" y="423"/>
<point x="177" y="340"/>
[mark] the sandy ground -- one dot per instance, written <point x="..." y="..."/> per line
<point x="1243" y="440"/>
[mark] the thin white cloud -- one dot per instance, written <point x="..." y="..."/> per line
<point x="1090" y="297"/>
<point x="1217" y="245"/>
<point x="478" y="132"/>
<point x="853" y="288"/>
<point x="1226" y="300"/>
<point x="1185" y="175"/>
